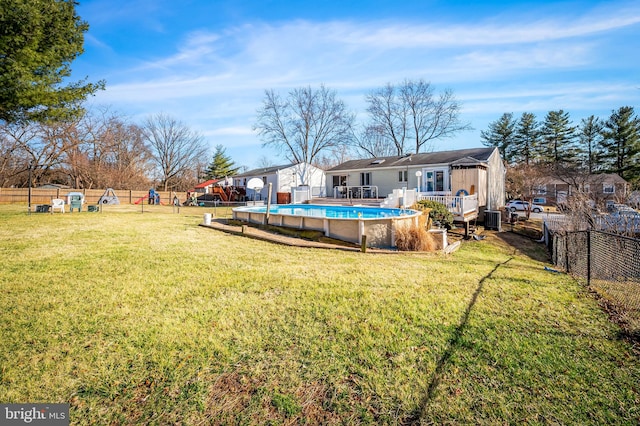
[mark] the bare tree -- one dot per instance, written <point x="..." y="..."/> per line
<point x="332" y="158"/>
<point x="113" y="153"/>
<point x="264" y="162"/>
<point x="11" y="164"/>
<point x="305" y="124"/>
<point x="413" y="115"/>
<point x="39" y="146"/>
<point x="371" y="142"/>
<point x="522" y="181"/>
<point x="178" y="151"/>
<point x="387" y="127"/>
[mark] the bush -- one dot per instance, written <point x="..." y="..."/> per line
<point x="438" y="213"/>
<point x="414" y="238"/>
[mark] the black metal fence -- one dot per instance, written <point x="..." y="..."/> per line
<point x="608" y="263"/>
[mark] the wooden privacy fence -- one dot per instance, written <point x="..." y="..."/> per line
<point x="91" y="196"/>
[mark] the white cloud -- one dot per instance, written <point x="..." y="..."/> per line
<point x="215" y="79"/>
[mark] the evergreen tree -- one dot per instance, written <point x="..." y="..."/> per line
<point x="622" y="143"/>
<point x="589" y="148"/>
<point x="557" y="140"/>
<point x="38" y="42"/>
<point x="501" y="134"/>
<point x="526" y="139"/>
<point x="221" y="165"/>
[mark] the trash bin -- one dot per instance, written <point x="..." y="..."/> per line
<point x="207" y="219"/>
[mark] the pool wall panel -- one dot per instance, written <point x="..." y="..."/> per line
<point x="378" y="233"/>
<point x="346" y="230"/>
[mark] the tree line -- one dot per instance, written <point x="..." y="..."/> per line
<point x="315" y="126"/>
<point x="101" y="149"/>
<point x="595" y="145"/>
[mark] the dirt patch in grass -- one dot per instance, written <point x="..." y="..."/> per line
<point x="235" y="397"/>
<point x="230" y="395"/>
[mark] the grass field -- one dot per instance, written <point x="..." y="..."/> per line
<point x="148" y="318"/>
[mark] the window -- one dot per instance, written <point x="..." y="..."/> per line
<point x="339" y="180"/>
<point x="540" y="189"/>
<point x="439" y="180"/>
<point x="365" y="179"/>
<point x="402" y="176"/>
<point x="608" y="188"/>
<point x="540" y="200"/>
<point x="587" y="188"/>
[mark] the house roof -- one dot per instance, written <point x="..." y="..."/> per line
<point x="607" y="177"/>
<point x="463" y="156"/>
<point x="206" y="183"/>
<point x="593" y="179"/>
<point x="264" y="171"/>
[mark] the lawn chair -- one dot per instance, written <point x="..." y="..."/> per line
<point x="57" y="203"/>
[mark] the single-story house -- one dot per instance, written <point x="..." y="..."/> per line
<point x="465" y="172"/>
<point x="284" y="179"/>
<point x="601" y="188"/>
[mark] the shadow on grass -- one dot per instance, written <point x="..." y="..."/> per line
<point x="524" y="245"/>
<point x="453" y="344"/>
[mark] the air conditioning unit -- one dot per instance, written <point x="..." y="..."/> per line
<point x="493" y="220"/>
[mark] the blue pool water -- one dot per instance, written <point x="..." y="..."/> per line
<point x="331" y="212"/>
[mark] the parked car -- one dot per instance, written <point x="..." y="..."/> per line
<point x="519" y="205"/>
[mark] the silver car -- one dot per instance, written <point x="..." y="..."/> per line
<point x="519" y="205"/>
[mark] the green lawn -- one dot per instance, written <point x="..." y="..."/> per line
<point x="148" y="318"/>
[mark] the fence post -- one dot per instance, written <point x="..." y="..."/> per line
<point x="588" y="257"/>
<point x="566" y="252"/>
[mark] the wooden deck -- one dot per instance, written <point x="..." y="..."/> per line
<point x="463" y="208"/>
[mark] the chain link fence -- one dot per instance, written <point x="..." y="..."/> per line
<point x="607" y="263"/>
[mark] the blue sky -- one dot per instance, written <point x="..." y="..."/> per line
<point x="208" y="63"/>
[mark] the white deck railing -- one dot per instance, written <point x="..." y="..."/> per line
<point x="362" y="191"/>
<point x="460" y="206"/>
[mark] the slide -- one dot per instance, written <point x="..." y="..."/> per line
<point x="139" y="200"/>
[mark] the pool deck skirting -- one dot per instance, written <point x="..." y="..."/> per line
<point x="262" y="235"/>
<point x="255" y="233"/>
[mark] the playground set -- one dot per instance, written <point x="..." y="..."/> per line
<point x="214" y="191"/>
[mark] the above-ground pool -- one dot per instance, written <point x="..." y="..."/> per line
<point x="348" y="223"/>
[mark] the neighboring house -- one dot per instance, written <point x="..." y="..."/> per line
<point x="53" y="186"/>
<point x="601" y="188"/>
<point x="284" y="179"/>
<point x="477" y="172"/>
